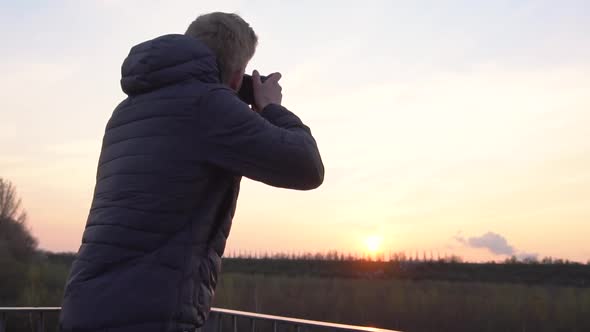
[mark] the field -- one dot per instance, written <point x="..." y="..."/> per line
<point x="411" y="305"/>
<point x="402" y="295"/>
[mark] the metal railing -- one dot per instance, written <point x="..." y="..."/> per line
<point x="37" y="315"/>
<point x="215" y="323"/>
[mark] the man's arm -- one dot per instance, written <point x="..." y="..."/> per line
<point x="272" y="146"/>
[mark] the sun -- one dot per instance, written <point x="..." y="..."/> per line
<point x="373" y="244"/>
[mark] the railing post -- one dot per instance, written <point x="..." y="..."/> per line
<point x="2" y="322"/>
<point x="40" y="322"/>
<point x="235" y="322"/>
<point x="274" y="326"/>
<point x="220" y="323"/>
<point x="253" y="325"/>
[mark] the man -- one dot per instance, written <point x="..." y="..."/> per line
<point x="172" y="158"/>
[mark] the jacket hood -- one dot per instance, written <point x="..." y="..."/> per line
<point x="165" y="61"/>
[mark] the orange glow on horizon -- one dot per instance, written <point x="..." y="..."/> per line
<point x="373" y="244"/>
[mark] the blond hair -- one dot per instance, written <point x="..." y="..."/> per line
<point x="231" y="39"/>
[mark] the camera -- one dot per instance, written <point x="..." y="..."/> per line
<point x="246" y="92"/>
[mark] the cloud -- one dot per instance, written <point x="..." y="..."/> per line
<point x="495" y="243"/>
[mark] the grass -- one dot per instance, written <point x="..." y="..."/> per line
<point x="496" y="298"/>
<point x="411" y="305"/>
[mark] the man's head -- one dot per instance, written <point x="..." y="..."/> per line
<point x="231" y="39"/>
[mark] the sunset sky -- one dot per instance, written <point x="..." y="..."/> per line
<point x="452" y="127"/>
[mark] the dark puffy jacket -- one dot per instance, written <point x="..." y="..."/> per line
<point x="167" y="183"/>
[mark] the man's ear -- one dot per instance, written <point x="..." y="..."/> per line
<point x="235" y="81"/>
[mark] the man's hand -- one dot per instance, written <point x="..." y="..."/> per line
<point x="268" y="92"/>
